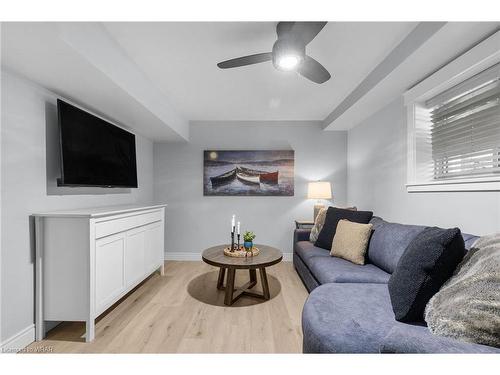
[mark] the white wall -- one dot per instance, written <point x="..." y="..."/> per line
<point x="27" y="184"/>
<point x="377" y="177"/>
<point x="195" y="222"/>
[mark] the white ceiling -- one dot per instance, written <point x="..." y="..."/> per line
<point x="181" y="59"/>
<point x="155" y="77"/>
<point x="449" y="42"/>
<point x="37" y="51"/>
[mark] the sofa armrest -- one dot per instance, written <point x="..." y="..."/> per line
<point x="301" y="235"/>
<point x="418" y="339"/>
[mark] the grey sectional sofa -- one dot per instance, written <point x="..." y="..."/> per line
<point x="349" y="309"/>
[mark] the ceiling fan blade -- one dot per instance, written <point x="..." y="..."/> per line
<point x="313" y="70"/>
<point x="246" y="60"/>
<point x="307" y="31"/>
<point x="283" y="28"/>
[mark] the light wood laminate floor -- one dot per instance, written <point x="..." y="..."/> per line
<point x="183" y="312"/>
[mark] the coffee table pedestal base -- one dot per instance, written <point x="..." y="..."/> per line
<point x="232" y="294"/>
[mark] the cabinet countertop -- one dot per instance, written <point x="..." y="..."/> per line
<point x="95" y="212"/>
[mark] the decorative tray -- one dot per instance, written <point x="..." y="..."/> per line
<point x="241" y="253"/>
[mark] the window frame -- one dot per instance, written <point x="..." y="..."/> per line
<point x="477" y="59"/>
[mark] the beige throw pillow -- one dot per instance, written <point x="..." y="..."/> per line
<point x="318" y="225"/>
<point x="351" y="241"/>
<point x="320" y="221"/>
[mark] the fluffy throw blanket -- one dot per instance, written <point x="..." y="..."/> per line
<point x="467" y="307"/>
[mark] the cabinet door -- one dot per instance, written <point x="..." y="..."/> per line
<point x="154" y="247"/>
<point x="109" y="280"/>
<point x="134" y="256"/>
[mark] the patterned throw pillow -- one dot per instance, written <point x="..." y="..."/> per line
<point x="318" y="225"/>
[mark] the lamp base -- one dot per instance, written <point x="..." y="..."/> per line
<point x="317" y="207"/>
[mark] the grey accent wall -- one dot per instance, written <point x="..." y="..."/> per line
<point x="195" y="222"/>
<point x="377" y="177"/>
<point x="27" y="141"/>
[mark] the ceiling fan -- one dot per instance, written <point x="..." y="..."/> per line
<point x="289" y="52"/>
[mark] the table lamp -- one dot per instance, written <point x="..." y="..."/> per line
<point x="319" y="190"/>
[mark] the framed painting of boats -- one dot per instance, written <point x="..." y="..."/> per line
<point x="248" y="172"/>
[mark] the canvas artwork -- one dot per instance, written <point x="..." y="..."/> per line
<point x="245" y="172"/>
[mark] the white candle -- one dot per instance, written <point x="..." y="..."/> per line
<point x="232" y="223"/>
<point x="238" y="227"/>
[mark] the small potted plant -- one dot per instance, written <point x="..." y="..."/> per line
<point x="248" y="238"/>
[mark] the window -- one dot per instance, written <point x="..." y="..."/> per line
<point x="465" y="127"/>
<point x="454" y="124"/>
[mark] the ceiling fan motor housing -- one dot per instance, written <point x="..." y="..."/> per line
<point x="286" y="47"/>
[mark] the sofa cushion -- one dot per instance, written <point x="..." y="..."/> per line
<point x="336" y="270"/>
<point x="333" y="215"/>
<point x="405" y="338"/>
<point x="305" y="250"/>
<point x="328" y="269"/>
<point x="347" y="318"/>
<point x="389" y="241"/>
<point x="358" y="318"/>
<point x="428" y="261"/>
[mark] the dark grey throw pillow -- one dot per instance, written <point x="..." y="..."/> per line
<point x="333" y="216"/>
<point x="427" y="263"/>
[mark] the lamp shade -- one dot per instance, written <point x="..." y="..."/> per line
<point x="319" y="190"/>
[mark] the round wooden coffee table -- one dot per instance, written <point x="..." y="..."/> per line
<point x="267" y="257"/>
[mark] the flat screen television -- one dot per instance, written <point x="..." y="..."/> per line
<point x="94" y="152"/>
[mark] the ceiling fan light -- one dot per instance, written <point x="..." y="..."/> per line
<point x="288" y="62"/>
<point x="288" y="54"/>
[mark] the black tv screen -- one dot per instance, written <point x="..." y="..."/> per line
<point x="93" y="151"/>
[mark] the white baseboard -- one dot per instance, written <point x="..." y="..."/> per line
<point x="287" y="257"/>
<point x="182" y="256"/>
<point x="19" y="341"/>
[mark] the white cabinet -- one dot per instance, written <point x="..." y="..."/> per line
<point x="134" y="256"/>
<point x="109" y="272"/>
<point x="86" y="260"/>
<point x="153" y="246"/>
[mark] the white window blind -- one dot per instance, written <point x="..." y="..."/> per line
<point x="465" y="127"/>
